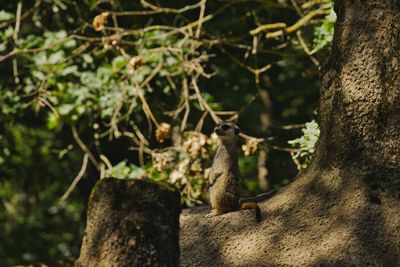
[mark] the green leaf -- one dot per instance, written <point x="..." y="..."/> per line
<point x="40" y="58"/>
<point x="4" y="15"/>
<point x="92" y="3"/>
<point x="306" y="144"/>
<point x="119" y="62"/>
<point x="87" y="58"/>
<point x="70" y="43"/>
<point x="32" y="41"/>
<point x="8" y="32"/>
<point x="52" y="121"/>
<point x="65" y="109"/>
<point x="60" y="4"/>
<point x="3" y="47"/>
<point x="69" y="70"/>
<point x="38" y="75"/>
<point x="124" y="171"/>
<point x="56" y="57"/>
<point x="323" y="34"/>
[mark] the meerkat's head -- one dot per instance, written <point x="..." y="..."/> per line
<point x="227" y="131"/>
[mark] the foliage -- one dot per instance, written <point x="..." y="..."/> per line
<point x="323" y="34"/>
<point x="183" y="165"/>
<point x="305" y="144"/>
<point x="32" y="219"/>
<point x="135" y="88"/>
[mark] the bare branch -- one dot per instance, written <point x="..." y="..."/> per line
<point x="84" y="147"/>
<point x="159" y="9"/>
<point x="293" y="28"/>
<point x="17" y="22"/>
<point x="106" y="161"/>
<point x="77" y="178"/>
<point x="306" y="50"/>
<point x="201" y="17"/>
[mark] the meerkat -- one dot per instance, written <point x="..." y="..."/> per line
<point x="224" y="175"/>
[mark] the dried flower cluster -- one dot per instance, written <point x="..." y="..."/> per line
<point x="134" y="62"/>
<point x="195" y="144"/>
<point x="162" y="160"/>
<point x="99" y="21"/>
<point x="186" y="164"/>
<point x="163" y="132"/>
<point x="250" y="147"/>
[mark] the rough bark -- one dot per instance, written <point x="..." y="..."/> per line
<point x="345" y="208"/>
<point x="131" y="223"/>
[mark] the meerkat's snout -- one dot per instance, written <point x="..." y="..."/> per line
<point x="226" y="129"/>
<point x="219" y="130"/>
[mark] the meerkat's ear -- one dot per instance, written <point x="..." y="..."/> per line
<point x="237" y="130"/>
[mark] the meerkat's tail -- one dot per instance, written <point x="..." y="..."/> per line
<point x="251" y="202"/>
<point x="252" y="205"/>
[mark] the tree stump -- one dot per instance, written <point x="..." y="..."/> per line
<point x="131" y="223"/>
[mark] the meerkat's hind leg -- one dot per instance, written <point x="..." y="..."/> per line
<point x="212" y="213"/>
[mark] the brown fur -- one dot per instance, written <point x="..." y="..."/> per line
<point x="224" y="174"/>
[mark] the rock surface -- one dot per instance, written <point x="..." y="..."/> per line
<point x="345" y="209"/>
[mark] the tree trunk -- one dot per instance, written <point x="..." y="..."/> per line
<point x="345" y="208"/>
<point x="131" y="223"/>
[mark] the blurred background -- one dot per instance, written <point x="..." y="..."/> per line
<point x="132" y="89"/>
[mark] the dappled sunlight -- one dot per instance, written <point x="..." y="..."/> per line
<point x="320" y="219"/>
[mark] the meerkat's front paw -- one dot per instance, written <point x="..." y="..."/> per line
<point x="212" y="214"/>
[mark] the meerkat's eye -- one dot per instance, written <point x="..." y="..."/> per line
<point x="226" y="127"/>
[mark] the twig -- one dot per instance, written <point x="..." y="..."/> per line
<point x="132" y="136"/>
<point x="9" y="54"/>
<point x="186" y="105"/>
<point x="102" y="171"/>
<point x="47" y="103"/>
<point x="154" y="72"/>
<point x="295" y="160"/>
<point x="267" y="27"/>
<point x="293" y="126"/>
<point x="84" y="147"/>
<point x="145" y="150"/>
<point x="15" y="71"/>
<point x="146" y="108"/>
<point x="199" y="124"/>
<point x="285" y="149"/>
<point x="198" y="94"/>
<point x="306" y="49"/>
<point x="141" y="152"/>
<point x="297" y="8"/>
<point x="207" y="107"/>
<point x="15" y="37"/>
<point x="65" y="151"/>
<point x="282" y="26"/>
<point x="170" y="10"/>
<point x="17" y="22"/>
<point x="313" y="2"/>
<point x="300" y="23"/>
<point x="140" y="135"/>
<point x="43" y="48"/>
<point x="23" y="16"/>
<point x="106" y="161"/>
<point x="249" y="68"/>
<point x="248" y="137"/>
<point x="225" y="113"/>
<point x="201" y="17"/>
<point x="77" y="178"/>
